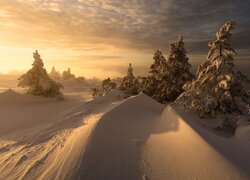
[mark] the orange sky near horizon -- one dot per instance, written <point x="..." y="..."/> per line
<point x="61" y="41"/>
<point x="17" y="60"/>
<point x="99" y="38"/>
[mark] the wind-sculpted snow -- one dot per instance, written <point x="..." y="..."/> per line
<point x="116" y="144"/>
<point x="113" y="138"/>
<point x="192" y="152"/>
<point x="43" y="138"/>
<point x="150" y="142"/>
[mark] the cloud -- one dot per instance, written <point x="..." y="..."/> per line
<point x="115" y="31"/>
<point x="131" y="24"/>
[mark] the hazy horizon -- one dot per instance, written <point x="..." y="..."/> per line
<point x="100" y="38"/>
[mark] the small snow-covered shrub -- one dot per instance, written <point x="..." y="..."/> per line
<point x="107" y="86"/>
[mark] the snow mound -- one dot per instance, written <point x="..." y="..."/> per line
<point x="142" y="101"/>
<point x="11" y="96"/>
<point x="113" y="151"/>
<point x="42" y="138"/>
<point x="142" y="139"/>
<point x="112" y="138"/>
<point x="10" y="93"/>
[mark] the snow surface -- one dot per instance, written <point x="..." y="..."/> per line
<point x="112" y="138"/>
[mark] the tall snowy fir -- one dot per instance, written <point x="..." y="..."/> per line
<point x="218" y="87"/>
<point x="38" y="80"/>
<point x="130" y="85"/>
<point x="177" y="72"/>
<point x="152" y="84"/>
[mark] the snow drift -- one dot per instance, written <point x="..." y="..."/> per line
<point x="112" y="138"/>
<point x="141" y="139"/>
<point x="115" y="146"/>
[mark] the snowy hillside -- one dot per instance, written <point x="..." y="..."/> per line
<point x="112" y="138"/>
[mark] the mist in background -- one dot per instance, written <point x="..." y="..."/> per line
<point x="100" y="38"/>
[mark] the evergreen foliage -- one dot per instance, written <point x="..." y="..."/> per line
<point x="152" y="84"/>
<point x="130" y="84"/>
<point x="177" y="72"/>
<point x="107" y="86"/>
<point x="167" y="77"/>
<point x="218" y="87"/>
<point x="55" y="74"/>
<point x="38" y="81"/>
<point x="66" y="75"/>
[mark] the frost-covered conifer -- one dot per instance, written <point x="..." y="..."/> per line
<point x="54" y="74"/>
<point x="130" y="84"/>
<point x="66" y="75"/>
<point x="38" y="80"/>
<point x="177" y="72"/>
<point x="167" y="77"/>
<point x="218" y="87"/>
<point x="152" y="84"/>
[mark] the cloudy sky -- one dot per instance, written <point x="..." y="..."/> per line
<point x="100" y="37"/>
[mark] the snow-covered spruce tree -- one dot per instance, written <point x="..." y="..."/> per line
<point x="218" y="87"/>
<point x="130" y="85"/>
<point x="66" y="75"/>
<point x="55" y="74"/>
<point x="152" y="84"/>
<point x="177" y="73"/>
<point x="38" y="81"/>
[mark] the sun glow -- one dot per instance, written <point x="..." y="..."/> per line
<point x="64" y="36"/>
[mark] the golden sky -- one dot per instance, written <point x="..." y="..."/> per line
<point x="66" y="34"/>
<point x="98" y="38"/>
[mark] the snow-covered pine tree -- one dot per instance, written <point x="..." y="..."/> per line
<point x="218" y="87"/>
<point x="130" y="84"/>
<point x="66" y="75"/>
<point x="54" y="74"/>
<point x="151" y="85"/>
<point x="177" y="73"/>
<point x="38" y="80"/>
